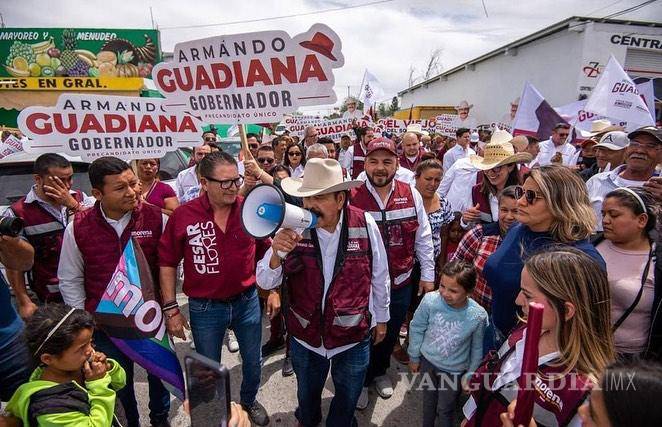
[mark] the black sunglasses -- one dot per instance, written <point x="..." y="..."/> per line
<point x="268" y="160"/>
<point x="529" y="195"/>
<point x="210" y="139"/>
<point x="294" y="153"/>
<point x="228" y="183"/>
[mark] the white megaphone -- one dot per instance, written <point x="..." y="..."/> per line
<point x="265" y="211"/>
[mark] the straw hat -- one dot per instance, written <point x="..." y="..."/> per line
<point x="320" y="176"/>
<point x="520" y="142"/>
<point x="417" y="129"/>
<point x="600" y="127"/>
<point x="499" y="152"/>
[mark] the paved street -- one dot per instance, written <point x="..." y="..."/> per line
<point x="278" y="394"/>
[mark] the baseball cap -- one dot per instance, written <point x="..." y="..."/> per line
<point x="381" y="144"/>
<point x="647" y="130"/>
<point x="616" y="140"/>
<point x="474" y="137"/>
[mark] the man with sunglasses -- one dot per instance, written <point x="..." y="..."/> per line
<point x="641" y="157"/>
<point x="556" y="146"/>
<point x="219" y="274"/>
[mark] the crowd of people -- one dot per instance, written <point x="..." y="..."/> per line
<point x="426" y="248"/>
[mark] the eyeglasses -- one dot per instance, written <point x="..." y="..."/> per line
<point x="294" y="153"/>
<point x="635" y="144"/>
<point x="253" y="146"/>
<point x="226" y="184"/>
<point x="529" y="195"/>
<point x="268" y="160"/>
<point x="210" y="139"/>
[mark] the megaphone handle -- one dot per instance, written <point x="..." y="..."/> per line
<point x="283" y="254"/>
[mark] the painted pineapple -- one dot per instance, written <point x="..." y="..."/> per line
<point x="68" y="57"/>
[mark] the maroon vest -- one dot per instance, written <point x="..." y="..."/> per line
<point x="557" y="396"/>
<point x="101" y="248"/>
<point x="358" y="162"/>
<point x="405" y="163"/>
<point x="45" y="233"/>
<point x="397" y="224"/>
<point x="477" y="196"/>
<point x="345" y="318"/>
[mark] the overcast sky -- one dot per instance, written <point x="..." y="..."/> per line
<point x="386" y="38"/>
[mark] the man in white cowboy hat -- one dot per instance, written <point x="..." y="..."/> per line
<point x="336" y="279"/>
<point x="417" y="130"/>
<point x="398" y="209"/>
<point x="509" y="117"/>
<point x="352" y="112"/>
<point x="463" y="120"/>
<point x="557" y="149"/>
<point x="411" y="151"/>
<point x="498" y="165"/>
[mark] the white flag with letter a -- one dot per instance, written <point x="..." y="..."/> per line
<point x="617" y="97"/>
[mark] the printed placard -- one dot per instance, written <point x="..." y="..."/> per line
<point x="92" y="126"/>
<point x="252" y="77"/>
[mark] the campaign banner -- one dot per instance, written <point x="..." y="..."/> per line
<point x="92" y="126"/>
<point x="399" y="127"/>
<point x="446" y="124"/>
<point x="9" y="146"/>
<point x="616" y="95"/>
<point x="131" y="316"/>
<point x="252" y="77"/>
<point x="333" y="129"/>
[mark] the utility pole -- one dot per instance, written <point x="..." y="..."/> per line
<point x="151" y="15"/>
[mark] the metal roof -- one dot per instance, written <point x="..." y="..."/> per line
<point x="578" y="20"/>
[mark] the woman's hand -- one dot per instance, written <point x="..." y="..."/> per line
<point x="508" y="417"/>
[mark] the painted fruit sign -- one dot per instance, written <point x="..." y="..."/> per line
<point x="77" y="52"/>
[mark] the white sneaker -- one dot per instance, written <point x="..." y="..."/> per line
<point x="384" y="386"/>
<point x="233" y="345"/>
<point x="363" y="399"/>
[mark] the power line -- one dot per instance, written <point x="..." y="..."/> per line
<point x="273" y="18"/>
<point x="631" y="9"/>
<point x="603" y="8"/>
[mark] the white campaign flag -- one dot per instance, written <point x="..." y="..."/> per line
<point x="617" y="97"/>
<point x="647" y="91"/>
<point x="371" y="91"/>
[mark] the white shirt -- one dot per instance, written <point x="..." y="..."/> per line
<point x="548" y="150"/>
<point x="456" y="153"/>
<point x="599" y="185"/>
<point x="296" y="172"/>
<point x="186" y="179"/>
<point x="344" y="158"/>
<point x="401" y="174"/>
<point x="423" y="243"/>
<point x="71" y="270"/>
<point x="59" y="213"/>
<point x="380" y="290"/>
<point x="456" y="185"/>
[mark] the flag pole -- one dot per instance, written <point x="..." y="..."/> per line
<point x="244" y="143"/>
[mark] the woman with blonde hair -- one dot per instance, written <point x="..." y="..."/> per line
<point x="552" y="208"/>
<point x="575" y="343"/>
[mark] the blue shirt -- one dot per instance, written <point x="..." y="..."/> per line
<point x="503" y="269"/>
<point x="11" y="324"/>
<point x="450" y="338"/>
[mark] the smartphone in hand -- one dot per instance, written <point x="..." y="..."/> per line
<point x="208" y="391"/>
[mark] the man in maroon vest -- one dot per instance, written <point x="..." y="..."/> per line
<point x="219" y="274"/>
<point x="336" y="281"/>
<point x="357" y="151"/>
<point x="45" y="210"/>
<point x="399" y="212"/>
<point x="92" y="246"/>
<point x="411" y="151"/>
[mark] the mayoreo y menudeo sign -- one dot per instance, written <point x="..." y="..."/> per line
<point x="92" y="126"/>
<point x="251" y="77"/>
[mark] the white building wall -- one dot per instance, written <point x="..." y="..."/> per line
<point x="555" y="65"/>
<point x="549" y="63"/>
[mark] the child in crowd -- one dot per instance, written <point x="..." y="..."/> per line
<point x="446" y="340"/>
<point x="451" y="235"/>
<point x="73" y="384"/>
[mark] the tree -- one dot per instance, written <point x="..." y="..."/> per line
<point x="433" y="65"/>
<point x="394" y="105"/>
<point x="383" y="111"/>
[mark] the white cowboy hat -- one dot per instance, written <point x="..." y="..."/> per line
<point x="600" y="127"/>
<point x="464" y="104"/>
<point x="417" y="129"/>
<point x="520" y="142"/>
<point x="499" y="152"/>
<point x="320" y="176"/>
